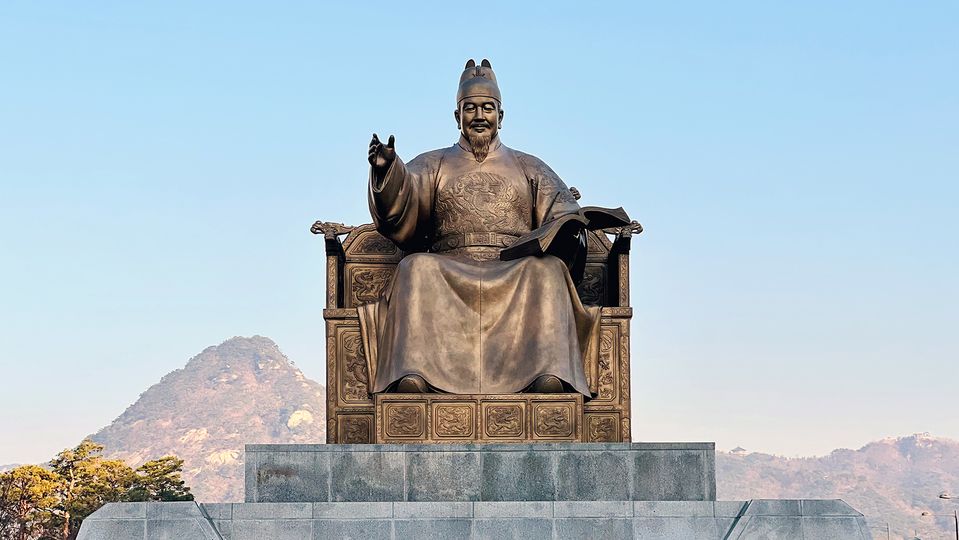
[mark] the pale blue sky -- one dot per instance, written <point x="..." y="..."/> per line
<point x="795" y="166"/>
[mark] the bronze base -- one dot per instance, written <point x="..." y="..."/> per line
<point x="439" y="418"/>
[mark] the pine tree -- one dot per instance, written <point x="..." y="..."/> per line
<point x="160" y="480"/>
<point x="88" y="482"/>
<point x="28" y="498"/>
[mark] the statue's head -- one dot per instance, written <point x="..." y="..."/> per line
<point x="479" y="111"/>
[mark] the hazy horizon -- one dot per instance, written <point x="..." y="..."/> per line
<point x="794" y="166"/>
<point x="730" y="446"/>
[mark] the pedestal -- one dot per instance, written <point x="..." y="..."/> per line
<point x="480" y="472"/>
<point x="529" y="491"/>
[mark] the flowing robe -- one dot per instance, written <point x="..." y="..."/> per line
<point x="454" y="313"/>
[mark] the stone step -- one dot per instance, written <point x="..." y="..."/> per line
<point x="660" y="520"/>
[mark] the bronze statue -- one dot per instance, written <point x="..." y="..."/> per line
<point x="485" y="302"/>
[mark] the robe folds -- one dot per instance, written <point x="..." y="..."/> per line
<point x="455" y="314"/>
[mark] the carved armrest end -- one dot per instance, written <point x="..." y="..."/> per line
<point x="330" y="229"/>
<point x="628" y="231"/>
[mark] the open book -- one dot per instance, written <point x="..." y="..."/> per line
<point x="539" y="241"/>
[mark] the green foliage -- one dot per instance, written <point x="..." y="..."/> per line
<point x="28" y="498"/>
<point x="37" y="503"/>
<point x="89" y="482"/>
<point x="159" y="480"/>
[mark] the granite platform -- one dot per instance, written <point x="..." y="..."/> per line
<point x="528" y="491"/>
<point x="480" y="472"/>
<point x="530" y="520"/>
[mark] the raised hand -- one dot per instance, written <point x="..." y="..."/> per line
<point x="381" y="156"/>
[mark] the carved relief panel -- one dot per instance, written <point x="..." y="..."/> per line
<point x="365" y="282"/>
<point x="354" y="428"/>
<point x="352" y="374"/>
<point x="454" y="421"/>
<point x="592" y="289"/>
<point x="504" y="420"/>
<point x="373" y="243"/>
<point x="553" y="420"/>
<point x="403" y="421"/>
<point x="603" y="427"/>
<point x="607" y="372"/>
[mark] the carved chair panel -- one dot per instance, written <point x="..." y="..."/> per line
<point x="353" y="427"/>
<point x="369" y="262"/>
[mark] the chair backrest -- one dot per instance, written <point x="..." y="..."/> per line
<point x="369" y="262"/>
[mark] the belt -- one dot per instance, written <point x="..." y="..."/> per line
<point x="454" y="241"/>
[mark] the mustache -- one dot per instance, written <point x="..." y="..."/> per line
<point x="478" y="123"/>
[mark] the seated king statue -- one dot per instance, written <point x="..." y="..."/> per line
<point x="485" y="300"/>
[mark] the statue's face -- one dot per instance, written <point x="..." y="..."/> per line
<point x="479" y="116"/>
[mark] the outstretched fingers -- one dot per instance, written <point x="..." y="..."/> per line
<point x="374" y="149"/>
<point x="380" y="154"/>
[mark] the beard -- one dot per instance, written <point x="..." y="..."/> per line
<point x="479" y="143"/>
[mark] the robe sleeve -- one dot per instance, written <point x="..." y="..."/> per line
<point x="552" y="199"/>
<point x="401" y="200"/>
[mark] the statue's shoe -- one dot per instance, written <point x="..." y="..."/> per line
<point x="412" y="384"/>
<point x="547" y="384"/>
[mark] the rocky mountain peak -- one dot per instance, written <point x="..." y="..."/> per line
<point x="244" y="390"/>
<point x="257" y="353"/>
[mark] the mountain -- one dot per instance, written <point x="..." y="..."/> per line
<point x="890" y="481"/>
<point x="8" y="466"/>
<point x="241" y="391"/>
